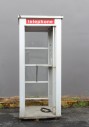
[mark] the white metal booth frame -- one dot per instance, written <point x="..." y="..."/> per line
<point x="51" y="24"/>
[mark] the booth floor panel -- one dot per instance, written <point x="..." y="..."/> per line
<point x="34" y="112"/>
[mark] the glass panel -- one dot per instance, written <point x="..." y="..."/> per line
<point x="36" y="39"/>
<point x="36" y="90"/>
<point x="42" y="74"/>
<point x="30" y="73"/>
<point x="36" y="56"/>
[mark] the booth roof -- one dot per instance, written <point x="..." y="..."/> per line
<point x="38" y="16"/>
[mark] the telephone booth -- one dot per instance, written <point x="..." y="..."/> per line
<point x="49" y="48"/>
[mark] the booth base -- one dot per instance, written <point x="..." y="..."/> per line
<point x="34" y="112"/>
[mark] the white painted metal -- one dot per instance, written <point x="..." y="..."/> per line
<point x="39" y="65"/>
<point x="54" y="73"/>
<point x="21" y="67"/>
<point x="58" y="66"/>
<point x="36" y="47"/>
<point x="36" y="98"/>
<point x="39" y="16"/>
<point x="54" y="64"/>
<point x="36" y="81"/>
<point x="50" y="46"/>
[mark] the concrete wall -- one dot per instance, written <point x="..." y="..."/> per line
<point x="75" y="42"/>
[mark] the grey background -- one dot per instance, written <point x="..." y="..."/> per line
<point x="75" y="42"/>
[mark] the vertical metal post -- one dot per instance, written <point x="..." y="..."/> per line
<point x="58" y="66"/>
<point x="22" y="67"/>
<point x="50" y="43"/>
<point x="36" y="73"/>
<point x="52" y="71"/>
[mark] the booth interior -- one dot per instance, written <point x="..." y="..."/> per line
<point x="39" y="70"/>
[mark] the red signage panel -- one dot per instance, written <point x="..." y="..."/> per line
<point x="39" y="21"/>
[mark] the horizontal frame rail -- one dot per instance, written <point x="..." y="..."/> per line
<point x="40" y="65"/>
<point x="36" y="47"/>
<point x="28" y="82"/>
<point x="36" y="98"/>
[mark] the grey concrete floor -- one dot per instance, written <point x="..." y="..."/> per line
<point x="71" y="117"/>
